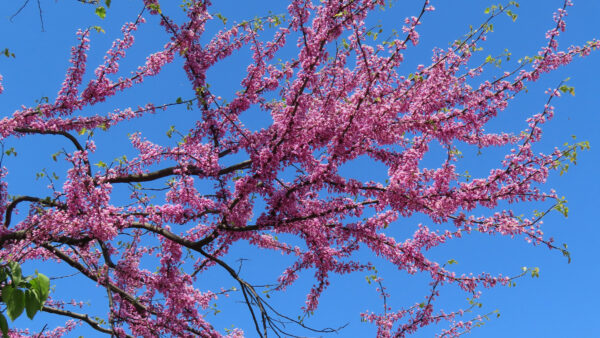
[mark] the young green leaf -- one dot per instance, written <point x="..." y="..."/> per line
<point x="32" y="303"/>
<point x="101" y="12"/>
<point x="7" y="53"/>
<point x="98" y="29"/>
<point x="15" y="301"/>
<point x="41" y="284"/>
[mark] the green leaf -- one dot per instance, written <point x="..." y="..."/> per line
<point x="7" y="293"/>
<point x="32" y="303"/>
<point x="41" y="284"/>
<point x="561" y="204"/>
<point x="3" y="326"/>
<point x="222" y="18"/>
<point x="15" y="301"/>
<point x="512" y="15"/>
<point x="567" y="89"/>
<point x="11" y="151"/>
<point x="3" y="274"/>
<point x="7" y="53"/>
<point x="15" y="273"/>
<point x="107" y="3"/>
<point x="98" y="29"/>
<point x="101" y="12"/>
<point x="345" y="44"/>
<point x="170" y="131"/>
<point x="154" y="7"/>
<point x="568" y="255"/>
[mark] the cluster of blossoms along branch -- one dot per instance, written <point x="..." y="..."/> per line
<point x="335" y="102"/>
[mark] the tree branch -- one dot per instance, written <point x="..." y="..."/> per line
<point x="12" y="205"/>
<point x="246" y="288"/>
<point x="94" y="324"/>
<point x="22" y="234"/>
<point x="51" y="132"/>
<point x="139" y="306"/>
<point x="61" y="133"/>
<point x="171" y="171"/>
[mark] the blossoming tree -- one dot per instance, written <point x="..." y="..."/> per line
<point x="280" y="189"/>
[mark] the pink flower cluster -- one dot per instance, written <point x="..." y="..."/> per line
<point x="282" y="188"/>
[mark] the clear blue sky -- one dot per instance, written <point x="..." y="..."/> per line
<point x="563" y="302"/>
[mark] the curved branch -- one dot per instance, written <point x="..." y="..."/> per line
<point x="255" y="227"/>
<point x="139" y="306"/>
<point x="22" y="234"/>
<point x="106" y="255"/>
<point x="171" y="171"/>
<point x="12" y="205"/>
<point x="61" y="133"/>
<point x="245" y="289"/>
<point x="94" y="324"/>
<point x="50" y="132"/>
<point x="165" y="233"/>
<point x="175" y="238"/>
<point x="197" y="246"/>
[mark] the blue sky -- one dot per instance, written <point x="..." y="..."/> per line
<point x="561" y="303"/>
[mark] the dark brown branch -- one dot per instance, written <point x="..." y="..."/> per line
<point x="11" y="207"/>
<point x="94" y="324"/>
<point x="171" y="171"/>
<point x="41" y="15"/>
<point x="255" y="227"/>
<point x="197" y="246"/>
<point x="139" y="306"/>
<point x="246" y="288"/>
<point x="175" y="238"/>
<point x="142" y="309"/>
<point x="22" y="234"/>
<point x="224" y="153"/>
<point x="106" y="255"/>
<point x="19" y="10"/>
<point x="50" y="132"/>
<point x="13" y="236"/>
<point x="163" y="232"/>
<point x="61" y="133"/>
